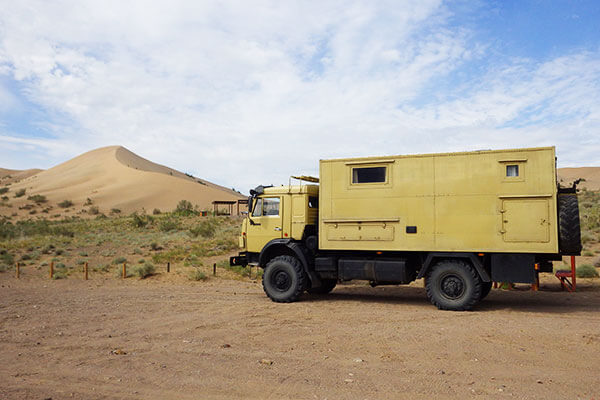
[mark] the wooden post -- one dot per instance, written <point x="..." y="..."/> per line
<point x="85" y="271"/>
<point x="124" y="270"/>
<point x="215" y="269"/>
<point x="17" y="271"/>
<point x="168" y="267"/>
<point x="51" y="269"/>
<point x="573" y="272"/>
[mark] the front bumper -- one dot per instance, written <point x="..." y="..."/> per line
<point x="240" y="259"/>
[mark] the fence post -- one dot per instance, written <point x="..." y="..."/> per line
<point x="18" y="271"/>
<point x="168" y="267"/>
<point x="124" y="270"/>
<point x="85" y="271"/>
<point x="215" y="269"/>
<point x="51" y="269"/>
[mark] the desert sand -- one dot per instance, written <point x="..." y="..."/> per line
<point x="115" y="178"/>
<point x="163" y="338"/>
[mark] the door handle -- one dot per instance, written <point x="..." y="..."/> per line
<point x="277" y="228"/>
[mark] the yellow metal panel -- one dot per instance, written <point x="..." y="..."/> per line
<point x="369" y="231"/>
<point x="525" y="220"/>
<point x="454" y="200"/>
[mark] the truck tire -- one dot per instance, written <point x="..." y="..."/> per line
<point x="569" y="233"/>
<point x="327" y="286"/>
<point x="284" y="279"/>
<point x="453" y="285"/>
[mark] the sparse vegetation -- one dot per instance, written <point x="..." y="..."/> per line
<point x="4" y="190"/>
<point x="156" y="211"/>
<point x="65" y="204"/>
<point x="94" y="210"/>
<point x="115" y="211"/>
<point x="144" y="271"/>
<point x="119" y="260"/>
<point x="205" y="228"/>
<point x="88" y="202"/>
<point x="185" y="207"/>
<point x="197" y="275"/>
<point x="586" y="271"/>
<point x="168" y="224"/>
<point x="20" y="193"/>
<point x="37" y="198"/>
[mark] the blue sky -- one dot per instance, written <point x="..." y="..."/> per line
<point x="248" y="93"/>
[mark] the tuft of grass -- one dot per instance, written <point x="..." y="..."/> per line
<point x="586" y="271"/>
<point x="65" y="204"/>
<point x="94" y="210"/>
<point x="88" y="202"/>
<point x="37" y="198"/>
<point x="115" y="211"/>
<point x="4" y="190"/>
<point x="168" y="225"/>
<point x="197" y="275"/>
<point x="141" y="220"/>
<point x="144" y="271"/>
<point x="20" y="193"/>
<point x="119" y="260"/>
<point x="156" y="211"/>
<point x="207" y="229"/>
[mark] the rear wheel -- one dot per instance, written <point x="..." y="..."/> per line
<point x="453" y="285"/>
<point x="327" y="286"/>
<point x="284" y="279"/>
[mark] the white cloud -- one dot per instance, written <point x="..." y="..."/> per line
<point x="248" y="93"/>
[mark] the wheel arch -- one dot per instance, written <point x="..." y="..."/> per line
<point x="288" y="247"/>
<point x="432" y="258"/>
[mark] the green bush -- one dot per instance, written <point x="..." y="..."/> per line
<point x="156" y="211"/>
<point x="168" y="224"/>
<point x="144" y="271"/>
<point x="119" y="260"/>
<point x="20" y="193"/>
<point x="206" y="229"/>
<point x="586" y="271"/>
<point x="4" y="190"/>
<point x="140" y="220"/>
<point x="185" y="207"/>
<point x="38" y="198"/>
<point x="115" y="211"/>
<point x="65" y="204"/>
<point x="197" y="275"/>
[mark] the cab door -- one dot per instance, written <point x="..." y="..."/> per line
<point x="266" y="225"/>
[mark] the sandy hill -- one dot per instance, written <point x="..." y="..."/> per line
<point x="114" y="178"/>
<point x="13" y="175"/>
<point x="591" y="175"/>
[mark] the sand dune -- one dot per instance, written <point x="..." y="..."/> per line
<point x="114" y="177"/>
<point x="591" y="175"/>
<point x="13" y="175"/>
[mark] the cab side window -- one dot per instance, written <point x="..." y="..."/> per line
<point x="271" y="206"/>
<point x="257" y="212"/>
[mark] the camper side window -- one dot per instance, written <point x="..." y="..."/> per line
<point x="369" y="174"/>
<point x="512" y="170"/>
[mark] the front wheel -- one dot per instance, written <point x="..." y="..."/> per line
<point x="453" y="285"/>
<point x="284" y="279"/>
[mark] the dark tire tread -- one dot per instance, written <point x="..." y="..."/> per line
<point x="473" y="279"/>
<point x="298" y="270"/>
<point x="569" y="234"/>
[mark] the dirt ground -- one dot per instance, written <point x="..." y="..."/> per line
<point x="223" y="339"/>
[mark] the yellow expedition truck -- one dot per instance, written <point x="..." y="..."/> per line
<point x="459" y="220"/>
